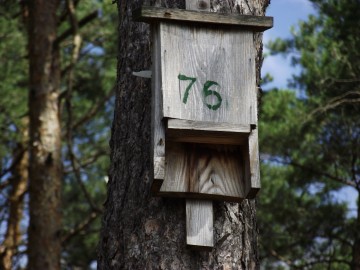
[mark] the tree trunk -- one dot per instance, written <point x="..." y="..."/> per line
<point x="19" y="181"/>
<point x="355" y="264"/>
<point x="144" y="232"/>
<point x="44" y="247"/>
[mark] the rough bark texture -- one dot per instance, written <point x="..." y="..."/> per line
<point x="143" y="232"/>
<point x="44" y="246"/>
<point x="19" y="181"/>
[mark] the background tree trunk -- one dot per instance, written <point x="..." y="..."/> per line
<point x="19" y="181"/>
<point x="143" y="232"/>
<point x="44" y="246"/>
<point x="355" y="263"/>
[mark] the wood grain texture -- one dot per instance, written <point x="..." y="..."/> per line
<point x="254" y="163"/>
<point x="207" y="132"/>
<point x="208" y="55"/>
<point x="199" y="214"/>
<point x="204" y="171"/>
<point x="157" y="125"/>
<point x="199" y="5"/>
<point x="159" y="167"/>
<point x="199" y="224"/>
<point x="253" y="23"/>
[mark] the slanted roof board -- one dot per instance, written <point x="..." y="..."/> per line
<point x="151" y="14"/>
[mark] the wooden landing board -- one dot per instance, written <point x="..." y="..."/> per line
<point x="204" y="171"/>
<point x="199" y="224"/>
<point x="254" y="23"/>
<point x="207" y="132"/>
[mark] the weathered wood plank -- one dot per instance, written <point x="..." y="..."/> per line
<point x="207" y="132"/>
<point x="254" y="163"/>
<point x="206" y="77"/>
<point x="159" y="167"/>
<point x="253" y="23"/>
<point x="204" y="171"/>
<point x="199" y="224"/>
<point x="158" y="127"/>
<point x="179" y="124"/>
<point x="199" y="214"/>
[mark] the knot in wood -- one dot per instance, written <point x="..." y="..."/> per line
<point x="202" y="4"/>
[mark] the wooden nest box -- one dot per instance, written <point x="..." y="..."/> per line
<point x="204" y="102"/>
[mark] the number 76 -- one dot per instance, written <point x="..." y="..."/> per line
<point x="206" y="91"/>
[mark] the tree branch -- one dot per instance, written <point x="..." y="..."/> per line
<point x="327" y="175"/>
<point x="335" y="102"/>
<point x="93" y="110"/>
<point x="93" y="15"/>
<point x="79" y="228"/>
<point x="16" y="160"/>
<point x="321" y="261"/>
<point x="74" y="57"/>
<point x="280" y="258"/>
<point x="87" y="162"/>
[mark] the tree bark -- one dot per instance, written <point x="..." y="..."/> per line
<point x="44" y="247"/>
<point x="144" y="232"/>
<point x="355" y="263"/>
<point x="19" y="181"/>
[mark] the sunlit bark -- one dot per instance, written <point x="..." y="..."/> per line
<point x="45" y="171"/>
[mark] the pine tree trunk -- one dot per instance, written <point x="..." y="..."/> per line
<point x="144" y="232"/>
<point x="355" y="264"/>
<point x="44" y="247"/>
<point x="19" y="181"/>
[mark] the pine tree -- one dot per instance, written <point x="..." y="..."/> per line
<point x="312" y="143"/>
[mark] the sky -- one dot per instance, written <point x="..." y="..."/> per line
<point x="288" y="13"/>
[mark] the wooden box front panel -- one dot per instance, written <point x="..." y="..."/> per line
<point x="208" y="74"/>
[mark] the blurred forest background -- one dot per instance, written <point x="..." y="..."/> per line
<point x="309" y="136"/>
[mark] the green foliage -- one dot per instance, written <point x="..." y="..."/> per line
<point x="13" y="80"/>
<point x="84" y="186"/>
<point x="94" y="79"/>
<point x="310" y="139"/>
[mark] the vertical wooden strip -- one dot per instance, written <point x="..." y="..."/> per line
<point x="199" y="214"/>
<point x="158" y="129"/>
<point x="199" y="224"/>
<point x="254" y="165"/>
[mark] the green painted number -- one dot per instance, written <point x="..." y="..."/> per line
<point x="208" y="92"/>
<point x="185" y="78"/>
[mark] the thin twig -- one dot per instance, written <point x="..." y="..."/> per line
<point x="93" y="15"/>
<point x="74" y="58"/>
<point x="333" y="103"/>
<point x="327" y="175"/>
<point x="92" y="159"/>
<point x="79" y="227"/>
<point x="15" y="161"/>
<point x="94" y="110"/>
